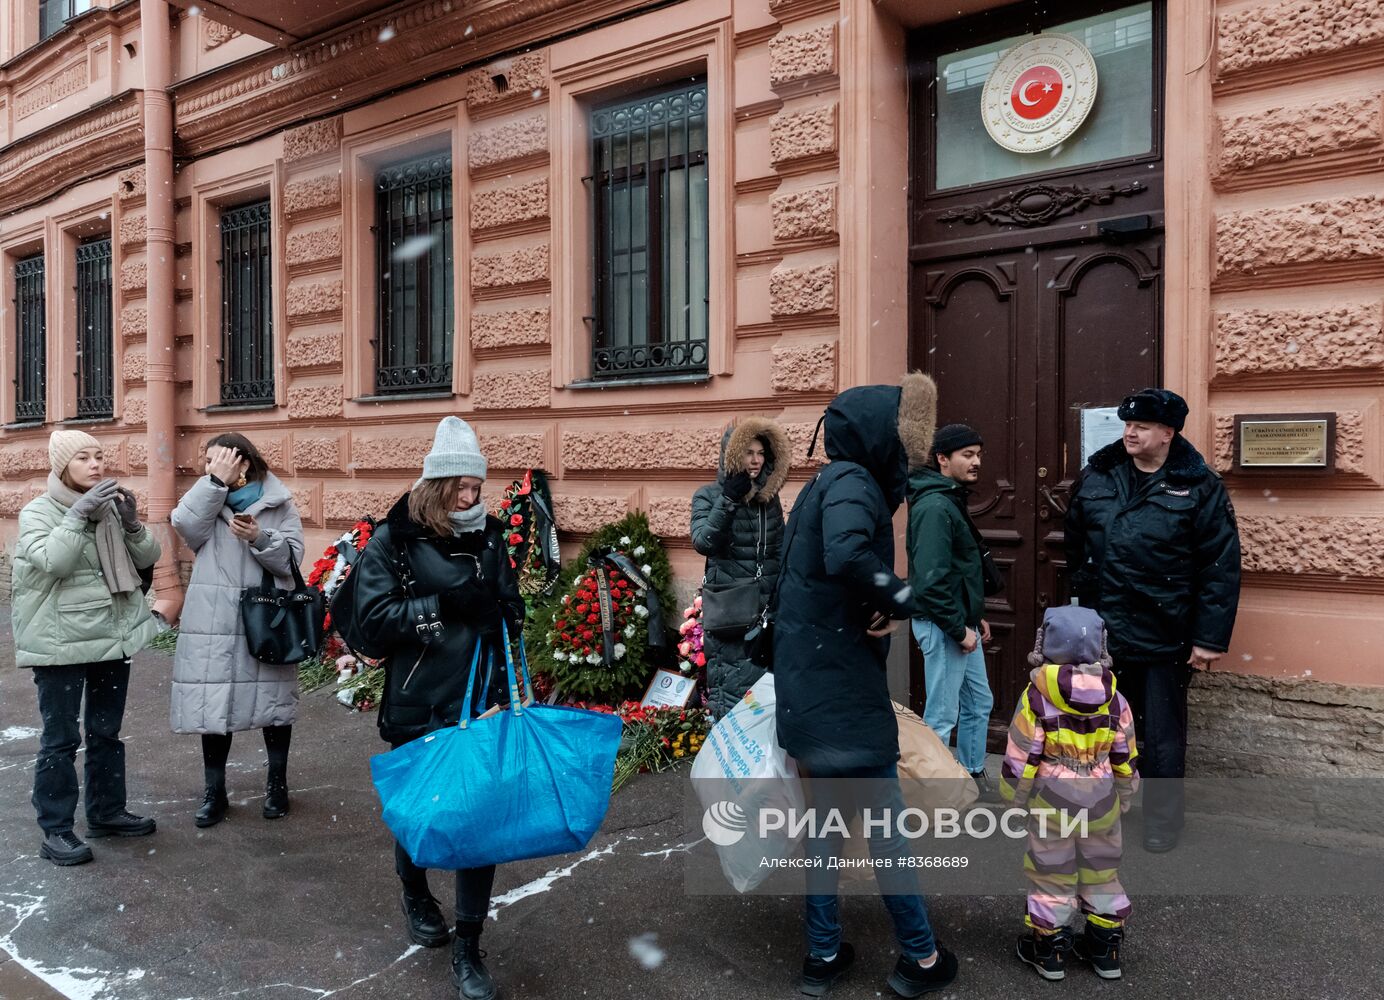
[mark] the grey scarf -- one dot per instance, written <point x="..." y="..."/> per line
<point x="468" y="520"/>
<point x="117" y="567"/>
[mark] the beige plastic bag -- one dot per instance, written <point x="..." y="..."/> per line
<point x="930" y="776"/>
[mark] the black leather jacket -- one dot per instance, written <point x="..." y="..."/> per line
<point x="428" y="652"/>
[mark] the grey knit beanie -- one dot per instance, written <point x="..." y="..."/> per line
<point x="455" y="452"/>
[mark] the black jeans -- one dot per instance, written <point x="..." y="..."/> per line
<point x="60" y="692"/>
<point x="473" y="885"/>
<point x="1157" y="695"/>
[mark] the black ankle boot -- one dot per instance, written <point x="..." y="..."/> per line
<point x="426" y="925"/>
<point x="1046" y="953"/>
<point x="1100" y="946"/>
<point x="469" y="974"/>
<point x="214" y="803"/>
<point x="276" y="795"/>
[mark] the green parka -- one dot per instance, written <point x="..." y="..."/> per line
<point x="63" y="613"/>
<point x="944" y="567"/>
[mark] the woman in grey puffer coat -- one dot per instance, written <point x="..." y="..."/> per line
<point x="737" y="523"/>
<point x="239" y="520"/>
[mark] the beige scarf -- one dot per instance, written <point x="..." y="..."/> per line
<point x="117" y="567"/>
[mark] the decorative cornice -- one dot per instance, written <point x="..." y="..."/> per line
<point x="107" y="136"/>
<point x="760" y="109"/>
<point x="1311" y="582"/>
<point x="1295" y="275"/>
<point x="1038" y="204"/>
<point x="431" y="37"/>
<point x="1313" y="167"/>
<point x="769" y="182"/>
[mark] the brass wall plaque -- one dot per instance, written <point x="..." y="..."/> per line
<point x="1303" y="442"/>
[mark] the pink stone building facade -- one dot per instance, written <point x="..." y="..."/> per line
<point x="1270" y="229"/>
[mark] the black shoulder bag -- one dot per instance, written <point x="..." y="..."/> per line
<point x="759" y="640"/>
<point x="283" y="627"/>
<point x="991" y="579"/>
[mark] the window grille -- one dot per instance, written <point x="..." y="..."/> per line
<point x="95" y="378"/>
<point x="31" y="332"/>
<point x="649" y="206"/>
<point x="247" y="306"/>
<point x="413" y="251"/>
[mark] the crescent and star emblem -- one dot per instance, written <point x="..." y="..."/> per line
<point x="1039" y="93"/>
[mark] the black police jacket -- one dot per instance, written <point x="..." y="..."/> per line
<point x="1159" y="562"/>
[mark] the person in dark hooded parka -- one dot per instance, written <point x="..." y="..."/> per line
<point x="737" y="523"/>
<point x="834" y="712"/>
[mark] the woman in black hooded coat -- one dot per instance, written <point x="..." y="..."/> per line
<point x="834" y="713"/>
<point x="737" y="523"/>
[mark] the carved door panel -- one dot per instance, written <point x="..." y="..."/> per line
<point x="971" y="325"/>
<point x="1099" y="323"/>
<point x="1019" y="345"/>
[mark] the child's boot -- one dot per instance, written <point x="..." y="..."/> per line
<point x="1101" y="947"/>
<point x="1047" y="953"/>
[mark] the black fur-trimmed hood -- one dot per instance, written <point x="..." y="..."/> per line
<point x="1184" y="465"/>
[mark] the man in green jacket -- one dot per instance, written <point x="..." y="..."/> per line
<point x="944" y="560"/>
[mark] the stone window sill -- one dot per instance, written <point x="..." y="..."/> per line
<point x="402" y="397"/>
<point x="239" y="407"/>
<point x="693" y="378"/>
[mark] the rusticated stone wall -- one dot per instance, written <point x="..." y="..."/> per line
<point x="1297" y="322"/>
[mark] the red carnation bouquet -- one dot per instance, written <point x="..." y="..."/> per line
<point x="577" y="636"/>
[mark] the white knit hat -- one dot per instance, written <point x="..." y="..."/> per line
<point x="455" y="452"/>
<point x="63" y="447"/>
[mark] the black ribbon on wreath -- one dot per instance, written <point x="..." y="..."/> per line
<point x="603" y="560"/>
<point x="544" y="533"/>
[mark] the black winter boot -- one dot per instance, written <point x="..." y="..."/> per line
<point x="1047" y="953"/>
<point x="276" y="795"/>
<point x="1101" y="947"/>
<point x="214" y="803"/>
<point x="426" y="925"/>
<point x="121" y="824"/>
<point x="469" y="974"/>
<point x="64" y="849"/>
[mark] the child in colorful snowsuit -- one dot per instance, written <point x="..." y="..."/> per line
<point x="1071" y="748"/>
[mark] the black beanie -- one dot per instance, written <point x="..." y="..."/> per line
<point x="953" y="437"/>
<point x="1155" y="406"/>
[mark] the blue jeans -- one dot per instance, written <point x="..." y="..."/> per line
<point x="849" y="791"/>
<point x="958" y="693"/>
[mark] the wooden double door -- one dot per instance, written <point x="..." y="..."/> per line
<point x="1036" y="298"/>
<point x="1021" y="344"/>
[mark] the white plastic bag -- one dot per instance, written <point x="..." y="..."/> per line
<point x="739" y="771"/>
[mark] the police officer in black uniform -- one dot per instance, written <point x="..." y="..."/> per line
<point x="1153" y="546"/>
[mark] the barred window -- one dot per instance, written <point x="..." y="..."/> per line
<point x="31" y="332"/>
<point x="649" y="187"/>
<point x="413" y="251"/>
<point x="247" y="307"/>
<point x="95" y="379"/>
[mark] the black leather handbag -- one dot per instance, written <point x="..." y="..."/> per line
<point x="759" y="639"/>
<point x="283" y="627"/>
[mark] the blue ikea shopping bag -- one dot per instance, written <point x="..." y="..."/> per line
<point x="527" y="782"/>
